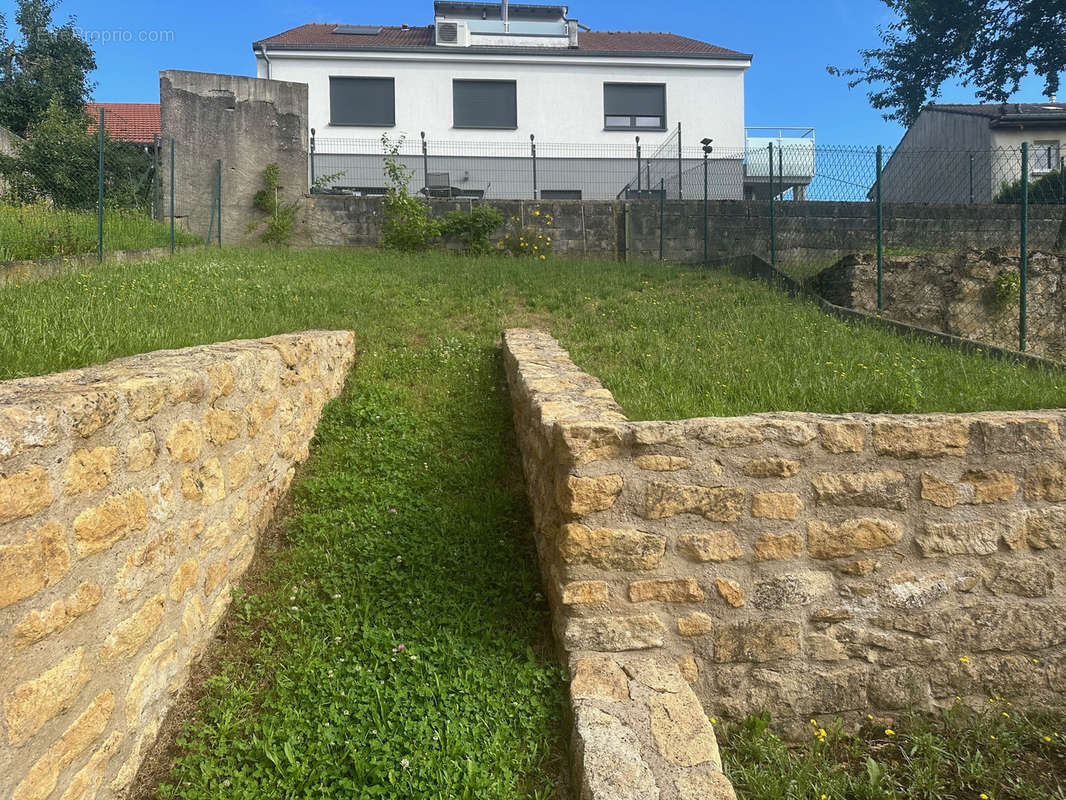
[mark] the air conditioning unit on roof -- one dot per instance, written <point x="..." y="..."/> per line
<point x="453" y="34"/>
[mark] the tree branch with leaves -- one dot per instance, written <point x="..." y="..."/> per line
<point x="990" y="45"/>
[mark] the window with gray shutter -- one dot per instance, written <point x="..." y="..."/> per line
<point x="362" y="101"/>
<point x="634" y="106"/>
<point x="485" y="104"/>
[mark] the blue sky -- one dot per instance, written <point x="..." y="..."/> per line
<point x="787" y="84"/>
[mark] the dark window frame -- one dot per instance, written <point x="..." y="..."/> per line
<point x="378" y="78"/>
<point x="466" y="126"/>
<point x="632" y="125"/>
<point x="561" y="194"/>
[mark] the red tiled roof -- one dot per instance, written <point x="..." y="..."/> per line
<point x="127" y="122"/>
<point x="321" y="37"/>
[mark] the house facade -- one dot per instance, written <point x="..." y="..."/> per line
<point x="488" y="82"/>
<point x="969" y="153"/>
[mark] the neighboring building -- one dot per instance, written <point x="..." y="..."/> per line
<point x="967" y="153"/>
<point x="485" y="77"/>
<point x="127" y="122"/>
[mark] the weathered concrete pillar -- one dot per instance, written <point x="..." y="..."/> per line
<point x="248" y="123"/>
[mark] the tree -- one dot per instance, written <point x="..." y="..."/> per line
<point x="988" y="44"/>
<point x="58" y="164"/>
<point x="47" y="63"/>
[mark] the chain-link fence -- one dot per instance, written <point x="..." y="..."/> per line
<point x="968" y="243"/>
<point x="100" y="194"/>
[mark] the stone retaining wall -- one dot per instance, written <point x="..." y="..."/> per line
<point x="972" y="294"/>
<point x="809" y="565"/>
<point x="131" y="498"/>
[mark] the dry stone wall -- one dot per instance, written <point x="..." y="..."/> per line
<point x="809" y="565"/>
<point x="972" y="294"/>
<point x="131" y="498"/>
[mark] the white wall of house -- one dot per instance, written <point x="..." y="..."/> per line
<point x="1008" y="167"/>
<point x="560" y="97"/>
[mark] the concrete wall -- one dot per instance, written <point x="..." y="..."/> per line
<point x="805" y="230"/>
<point x="560" y="95"/>
<point x="246" y="122"/>
<point x="132" y="496"/>
<point x="808" y="565"/>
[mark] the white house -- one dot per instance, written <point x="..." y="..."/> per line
<point x="967" y="153"/>
<point x="486" y="77"/>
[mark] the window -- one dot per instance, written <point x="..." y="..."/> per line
<point x="560" y="194"/>
<point x="362" y="101"/>
<point x="1045" y="157"/>
<point x="485" y="104"/>
<point x="634" y="106"/>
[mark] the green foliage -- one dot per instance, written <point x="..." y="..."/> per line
<point x="407" y="226"/>
<point x="988" y="44"/>
<point x="1005" y="291"/>
<point x="59" y="163"/>
<point x="529" y="241"/>
<point x="472" y="229"/>
<point x="1045" y="189"/>
<point x="999" y="753"/>
<point x="47" y="64"/>
<point x="281" y="216"/>
<point x="43" y="231"/>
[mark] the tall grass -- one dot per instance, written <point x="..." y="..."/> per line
<point x="40" y="231"/>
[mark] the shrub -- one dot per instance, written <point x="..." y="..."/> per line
<point x="1005" y="290"/>
<point x="407" y="225"/>
<point x="1046" y="189"/>
<point x="472" y="229"/>
<point x="282" y="216"/>
<point x="527" y="240"/>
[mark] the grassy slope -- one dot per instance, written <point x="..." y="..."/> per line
<point x="999" y="754"/>
<point x="412" y="528"/>
<point x="36" y="231"/>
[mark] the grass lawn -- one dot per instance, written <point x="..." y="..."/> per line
<point x="1000" y="754"/>
<point x="398" y="645"/>
<point x="37" y="231"/>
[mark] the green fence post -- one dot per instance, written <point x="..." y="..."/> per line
<point x="880" y="234"/>
<point x="680" y="166"/>
<point x="100" y="195"/>
<point x="662" y="218"/>
<point x="1023" y="264"/>
<point x="220" y="202"/>
<point x="773" y="231"/>
<point x="172" y="195"/>
<point x="706" y="210"/>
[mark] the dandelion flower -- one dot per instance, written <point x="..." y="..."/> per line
<point x="889" y="732"/>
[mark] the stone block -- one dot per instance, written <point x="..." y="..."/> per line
<point x="185" y="441"/>
<point x="585" y="593"/>
<point x="1046" y="482"/>
<point x="757" y="641"/>
<point x="580" y="496"/>
<point x="776" y="505"/>
<point x="97" y="529"/>
<point x="827" y="541"/>
<point x="980" y="538"/>
<point x="614" y="634"/>
<point x="774" y="467"/>
<point x="599" y="678"/>
<point x="41" y="561"/>
<point x="90" y="469"/>
<point x="730" y="591"/>
<point x="33" y="703"/>
<point x="129" y="635"/>
<point x="696" y="624"/>
<point x="925" y="438"/>
<point x="716" y="547"/>
<point x="719" y="504"/>
<point x="869" y="489"/>
<point x="666" y="590"/>
<point x="611" y="549"/>
<point x="778" y="547"/>
<point x="24" y="494"/>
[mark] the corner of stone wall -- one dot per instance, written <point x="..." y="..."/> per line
<point x="132" y="497"/>
<point x="639" y="729"/>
